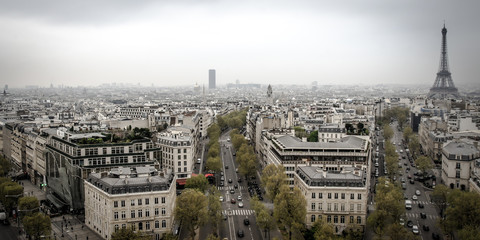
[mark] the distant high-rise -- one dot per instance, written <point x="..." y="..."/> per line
<point x="443" y="86"/>
<point x="211" y="79"/>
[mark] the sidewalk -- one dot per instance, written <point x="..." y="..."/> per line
<point x="68" y="225"/>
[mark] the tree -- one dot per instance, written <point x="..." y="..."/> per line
<point x="407" y="133"/>
<point x="214" y="208"/>
<point x="199" y="182"/>
<point x="360" y="127"/>
<point x="463" y="210"/>
<point x="247" y="160"/>
<point x="399" y="232"/>
<point x="4" y="166"/>
<point x="263" y="216"/>
<point x="9" y="194"/>
<point x="387" y="132"/>
<point x="414" y="145"/>
<point x="439" y="197"/>
<point x="28" y="205"/>
<point x="37" y="225"/>
<point x="273" y="178"/>
<point x="290" y="210"/>
<point x="299" y="132"/>
<point x="214" y="164"/>
<point x="313" y="137"/>
<point x="323" y="231"/>
<point x="469" y="232"/>
<point x="129" y="234"/>
<point x="191" y="210"/>
<point x="238" y="140"/>
<point x="423" y="164"/>
<point x="392" y="166"/>
<point x="212" y="237"/>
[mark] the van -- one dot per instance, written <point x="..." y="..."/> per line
<point x="408" y="204"/>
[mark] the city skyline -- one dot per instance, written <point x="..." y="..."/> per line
<point x="172" y="44"/>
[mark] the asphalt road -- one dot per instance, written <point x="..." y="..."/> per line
<point x="8" y="232"/>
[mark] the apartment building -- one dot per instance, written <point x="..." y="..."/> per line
<point x="177" y="148"/>
<point x="140" y="198"/>
<point x="459" y="157"/>
<point x="337" y="197"/>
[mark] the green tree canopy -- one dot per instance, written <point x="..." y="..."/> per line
<point x="9" y="193"/>
<point x="300" y="132"/>
<point x="191" y="210"/>
<point x="387" y="132"/>
<point x="247" y="160"/>
<point x="414" y="145"/>
<point x="263" y="215"/>
<point x="313" y="137"/>
<point x="198" y="182"/>
<point x="424" y="164"/>
<point x="439" y="198"/>
<point x="28" y="205"/>
<point x="463" y="210"/>
<point x="129" y="234"/>
<point x="290" y="210"/>
<point x="214" y="164"/>
<point x="37" y="225"/>
<point x="407" y="134"/>
<point x="214" y="208"/>
<point x="273" y="178"/>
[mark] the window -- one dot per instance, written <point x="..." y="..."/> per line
<point x="163" y="199"/>
<point x="343" y="195"/>
<point x="132" y="214"/>
<point x="116" y="227"/>
<point x="329" y="219"/>
<point x="140" y="226"/>
<point x="185" y="169"/>
<point x="335" y="206"/>
<point x="179" y="169"/>
<point x="124" y="226"/>
<point x="156" y="211"/>
<point x="359" y="196"/>
<point x="163" y="211"/>
<point x="320" y="206"/>
<point x="359" y="220"/>
<point x="115" y="204"/>
<point x="335" y="219"/>
<point x="313" y="218"/>
<point x="179" y="150"/>
<point x="329" y="206"/>
<point x="457" y="174"/>
<point x="313" y="206"/>
<point x="140" y="213"/>
<point x="147" y="225"/>
<point x="351" y="219"/>
<point x="139" y="202"/>
<point x="132" y="203"/>
<point x="147" y="212"/>
<point x="458" y="166"/>
<point x="313" y="195"/>
<point x="164" y="223"/>
<point x="351" y="207"/>
<point x="336" y="195"/>
<point x="359" y="207"/>
<point x="329" y="195"/>
<point x="320" y="195"/>
<point x="352" y="196"/>
<point x="115" y="215"/>
<point x="342" y="219"/>
<point x="147" y="201"/>
<point x="156" y="200"/>
<point x="123" y="203"/>
<point x="342" y="207"/>
<point x="123" y="215"/>
<point x="157" y="224"/>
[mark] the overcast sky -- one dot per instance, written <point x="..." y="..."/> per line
<point x="171" y="43"/>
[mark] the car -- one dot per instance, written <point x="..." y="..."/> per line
<point x="240" y="204"/>
<point x="402" y="222"/>
<point x="199" y="160"/>
<point x="423" y="215"/>
<point x="426" y="228"/>
<point x="420" y="205"/>
<point x="412" y="181"/>
<point x="435" y="236"/>
<point x="229" y="180"/>
<point x="409" y="176"/>
<point x="405" y="196"/>
<point x="232" y="191"/>
<point x="222" y="184"/>
<point x="409" y="223"/>
<point x="239" y="198"/>
<point x="239" y="180"/>
<point x="240" y="233"/>
<point x="402" y="180"/>
<point x="235" y="186"/>
<point x="415" y="229"/>
<point x="233" y="201"/>
<point x="222" y="178"/>
<point x="236" y="170"/>
<point x="246" y="221"/>
<point x="221" y="198"/>
<point x="226" y="166"/>
<point x="221" y="173"/>
<point x="417" y="192"/>
<point x="414" y="197"/>
<point x="224" y="216"/>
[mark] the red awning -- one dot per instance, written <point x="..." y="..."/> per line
<point x="182" y="181"/>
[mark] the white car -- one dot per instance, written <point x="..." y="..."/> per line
<point x="415" y="229"/>
<point x="414" y="197"/>
<point x="221" y="198"/>
<point x="417" y="192"/>
<point x="240" y="204"/>
<point x="239" y="198"/>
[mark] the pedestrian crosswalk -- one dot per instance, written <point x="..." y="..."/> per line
<point x="230" y="187"/>
<point x="417" y="215"/>
<point x="422" y="202"/>
<point x="238" y="212"/>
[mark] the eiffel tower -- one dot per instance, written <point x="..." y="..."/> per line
<point x="443" y="86"/>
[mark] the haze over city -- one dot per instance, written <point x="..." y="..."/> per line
<point x="172" y="43"/>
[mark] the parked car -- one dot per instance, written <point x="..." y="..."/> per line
<point x="409" y="223"/>
<point x="221" y="198"/>
<point x="426" y="228"/>
<point x="246" y="221"/>
<point x="233" y="201"/>
<point x="423" y="215"/>
<point x="239" y="198"/>
<point x="415" y="229"/>
<point x="240" y="233"/>
<point x="417" y="192"/>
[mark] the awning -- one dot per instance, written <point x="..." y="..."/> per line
<point x="57" y="202"/>
<point x="182" y="181"/>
